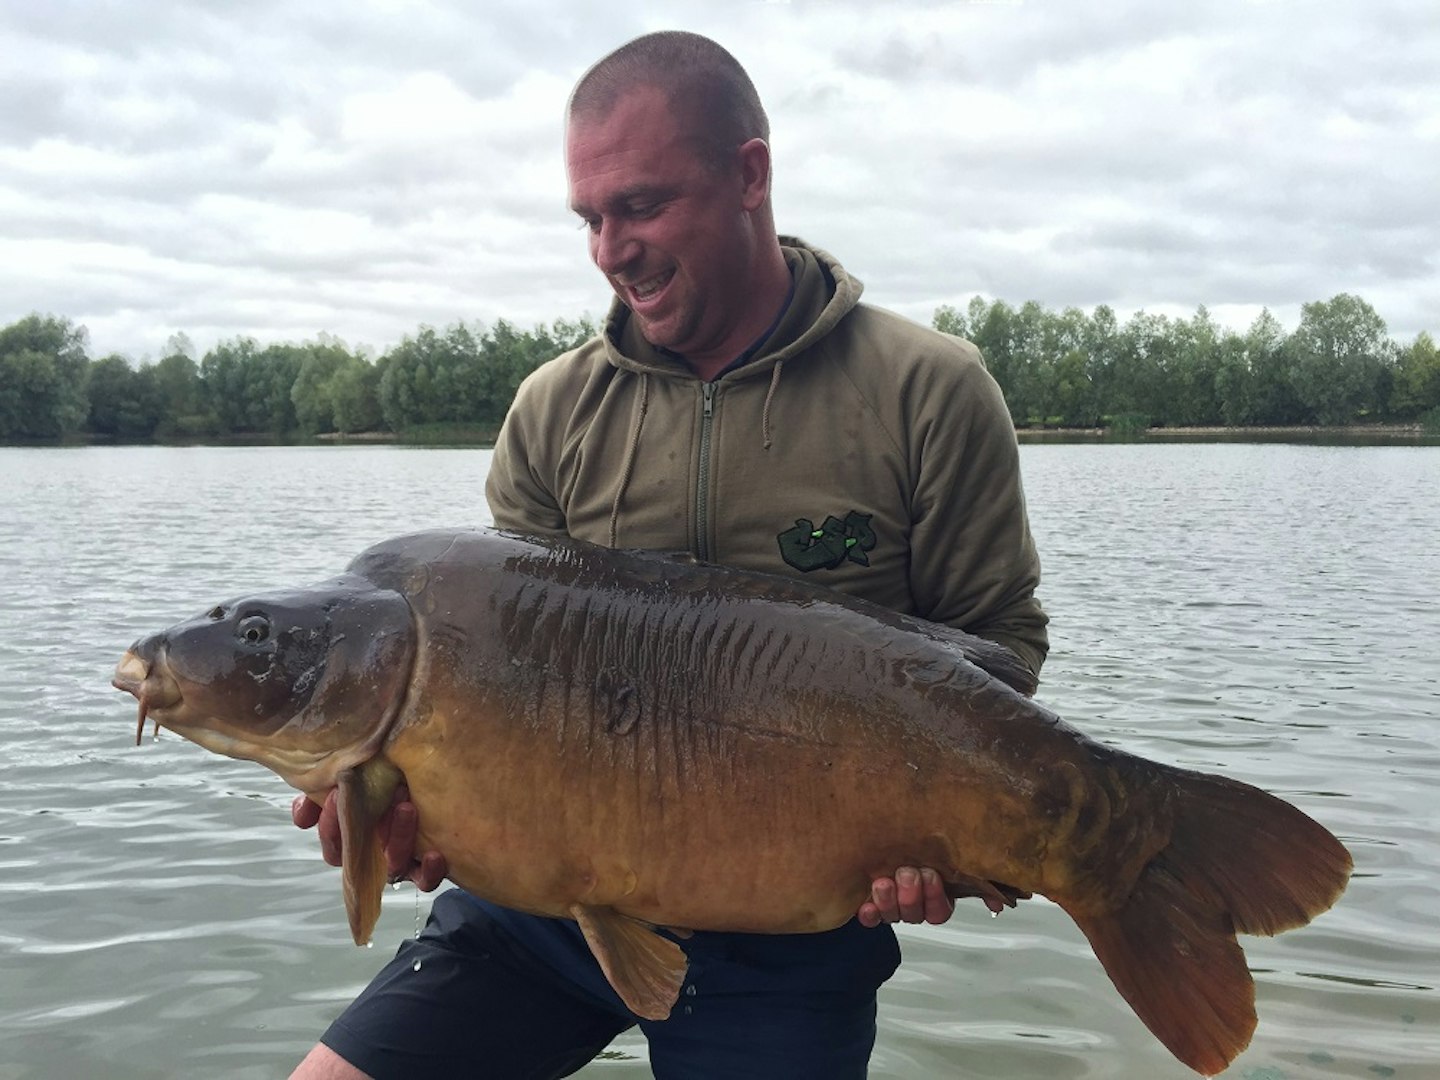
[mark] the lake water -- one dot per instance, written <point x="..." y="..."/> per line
<point x="1269" y="611"/>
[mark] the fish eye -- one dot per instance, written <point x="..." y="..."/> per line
<point x="253" y="629"/>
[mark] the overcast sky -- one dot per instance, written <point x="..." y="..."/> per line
<point x="361" y="168"/>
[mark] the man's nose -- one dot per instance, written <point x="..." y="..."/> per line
<point x="613" y="248"/>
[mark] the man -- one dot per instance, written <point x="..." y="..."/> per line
<point x="738" y="395"/>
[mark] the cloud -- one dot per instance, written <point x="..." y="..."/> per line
<point x="280" y="170"/>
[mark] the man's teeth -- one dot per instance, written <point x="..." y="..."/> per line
<point x="649" y="287"/>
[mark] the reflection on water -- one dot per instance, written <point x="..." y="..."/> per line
<point x="1264" y="610"/>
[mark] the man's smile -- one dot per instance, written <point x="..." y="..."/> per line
<point x="648" y="288"/>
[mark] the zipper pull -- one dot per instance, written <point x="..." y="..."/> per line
<point x="707" y="393"/>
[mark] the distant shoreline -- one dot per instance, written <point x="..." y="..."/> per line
<point x="484" y="437"/>
<point x="1306" y="431"/>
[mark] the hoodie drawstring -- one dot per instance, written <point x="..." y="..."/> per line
<point x="769" y="396"/>
<point x="637" y="421"/>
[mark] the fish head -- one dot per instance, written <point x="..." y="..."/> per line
<point x="305" y="681"/>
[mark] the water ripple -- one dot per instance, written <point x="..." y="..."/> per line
<point x="1266" y="611"/>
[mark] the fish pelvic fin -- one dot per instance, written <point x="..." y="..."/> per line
<point x="645" y="969"/>
<point x="1238" y="860"/>
<point x="363" y="795"/>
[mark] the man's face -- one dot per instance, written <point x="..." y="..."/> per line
<point x="672" y="236"/>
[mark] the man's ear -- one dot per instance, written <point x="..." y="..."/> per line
<point x="754" y="173"/>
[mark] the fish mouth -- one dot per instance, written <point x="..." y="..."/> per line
<point x="151" y="686"/>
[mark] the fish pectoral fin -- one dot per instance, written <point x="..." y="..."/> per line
<point x="990" y="656"/>
<point x="645" y="969"/>
<point x="996" y="894"/>
<point x="363" y="795"/>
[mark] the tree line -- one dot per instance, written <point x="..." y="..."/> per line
<point x="1339" y="366"/>
<point x="461" y="376"/>
<point x="1057" y="369"/>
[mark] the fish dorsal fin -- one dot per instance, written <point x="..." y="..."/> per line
<point x="645" y="969"/>
<point x="363" y="796"/>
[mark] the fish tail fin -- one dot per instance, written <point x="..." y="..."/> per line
<point x="1238" y="860"/>
<point x="1175" y="959"/>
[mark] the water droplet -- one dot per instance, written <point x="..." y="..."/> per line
<point x="369" y="944"/>
<point x="415" y="966"/>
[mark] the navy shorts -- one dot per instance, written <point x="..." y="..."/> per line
<point x="481" y="1004"/>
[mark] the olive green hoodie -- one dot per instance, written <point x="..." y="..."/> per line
<point x="851" y="447"/>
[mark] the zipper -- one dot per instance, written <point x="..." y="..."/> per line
<point x="702" y="485"/>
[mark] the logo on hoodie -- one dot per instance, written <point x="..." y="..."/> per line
<point x="807" y="548"/>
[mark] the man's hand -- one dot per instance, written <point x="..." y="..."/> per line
<point x="912" y="896"/>
<point x="398" y="827"/>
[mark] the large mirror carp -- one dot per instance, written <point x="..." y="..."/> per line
<point x="634" y="741"/>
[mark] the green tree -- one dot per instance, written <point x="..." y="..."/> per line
<point x="1063" y="377"/>
<point x="179" y="344"/>
<point x="1031" y="346"/>
<point x="1272" y="392"/>
<point x="1193" y="362"/>
<point x="432" y="378"/>
<point x="43" y="367"/>
<point x="1102" y="348"/>
<point x="1234" y="381"/>
<point x="949" y="320"/>
<point x="1136" y="386"/>
<point x="125" y="403"/>
<point x="504" y="362"/>
<point x="226" y="375"/>
<point x="1340" y="360"/>
<point x="992" y="328"/>
<point x="312" y="392"/>
<point x="182" y="397"/>
<point x="272" y="384"/>
<point x="1416" y="387"/>
<point x="247" y="388"/>
<point x="561" y="336"/>
<point x="354" y="391"/>
<point x="511" y="355"/>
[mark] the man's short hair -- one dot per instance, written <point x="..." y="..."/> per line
<point x="706" y="86"/>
